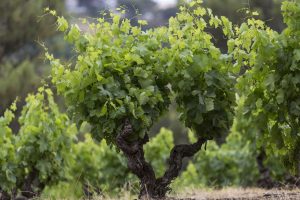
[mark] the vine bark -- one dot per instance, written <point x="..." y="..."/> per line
<point x="152" y="187"/>
<point x="32" y="186"/>
<point x="265" y="180"/>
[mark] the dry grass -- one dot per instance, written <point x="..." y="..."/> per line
<point x="211" y="194"/>
<point x="224" y="194"/>
<point x="238" y="193"/>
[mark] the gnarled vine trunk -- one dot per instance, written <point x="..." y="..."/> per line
<point x="265" y="180"/>
<point x="31" y="183"/>
<point x="4" y="195"/>
<point x="151" y="186"/>
<point x="27" y="188"/>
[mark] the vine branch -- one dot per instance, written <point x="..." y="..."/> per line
<point x="178" y="153"/>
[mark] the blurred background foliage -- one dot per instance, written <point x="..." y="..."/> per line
<point x="23" y="27"/>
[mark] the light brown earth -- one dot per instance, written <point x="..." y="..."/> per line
<point x="225" y="194"/>
<point x="239" y="194"/>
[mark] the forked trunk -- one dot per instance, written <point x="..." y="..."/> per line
<point x="152" y="187"/>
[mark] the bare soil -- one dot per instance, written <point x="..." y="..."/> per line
<point x="239" y="194"/>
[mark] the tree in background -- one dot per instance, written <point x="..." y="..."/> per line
<point x="21" y="68"/>
<point x="93" y="7"/>
<point x="137" y="9"/>
<point x="18" y="28"/>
